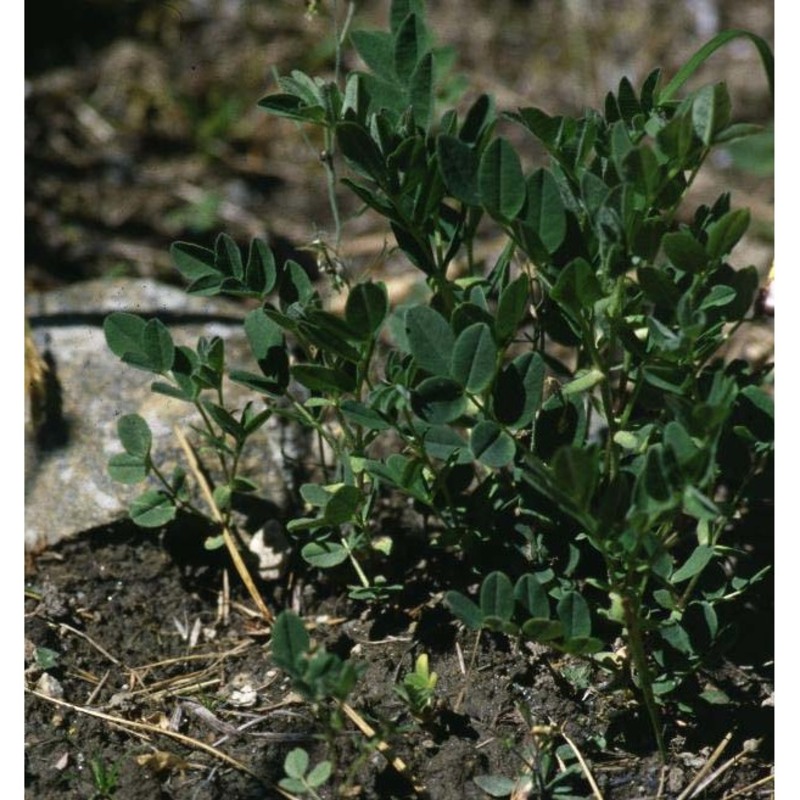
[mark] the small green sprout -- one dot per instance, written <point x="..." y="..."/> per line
<point x="417" y="688"/>
<point x="299" y="780"/>
<point x="105" y="778"/>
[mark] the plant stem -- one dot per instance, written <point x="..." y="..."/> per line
<point x="327" y="159"/>
<point x="631" y="610"/>
<point x="356" y="566"/>
<point x="210" y="428"/>
<point x="612" y="456"/>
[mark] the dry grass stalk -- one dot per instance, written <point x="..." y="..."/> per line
<point x="584" y="766"/>
<point x="689" y="791"/>
<point x="230" y="542"/>
<point x="747" y="789"/>
<point x="154" y="729"/>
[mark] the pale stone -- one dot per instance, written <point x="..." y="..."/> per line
<point x="272" y="549"/>
<point x="67" y="488"/>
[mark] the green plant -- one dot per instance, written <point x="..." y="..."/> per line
<point x="417" y="688"/>
<point x="104" y="777"/>
<point x="595" y="487"/>
<point x="319" y="676"/>
<point x="547" y="770"/>
<point x="298" y="779"/>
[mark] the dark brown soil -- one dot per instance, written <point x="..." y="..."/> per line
<point x="113" y="675"/>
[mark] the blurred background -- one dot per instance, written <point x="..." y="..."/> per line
<point x="142" y="126"/>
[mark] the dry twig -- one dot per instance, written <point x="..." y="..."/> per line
<point x="148" y="728"/>
<point x="745" y="789"/>
<point x="230" y="542"/>
<point x="689" y="791"/>
<point x="584" y="766"/>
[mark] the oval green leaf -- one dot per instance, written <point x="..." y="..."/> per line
<point x="290" y="641"/>
<point x="545" y="212"/>
<point x="573" y="611"/>
<point x="684" y="251"/>
<point x="192" y="261"/>
<point x="323" y="379"/>
<point x="124" y="333"/>
<point x="517" y="393"/>
<point x="438" y="400"/>
<point x="296" y="763"/>
<point x="127" y="468"/>
<point x="134" y="435"/>
<point x="430" y="339"/>
<point x="491" y="445"/>
<point x="474" y="358"/>
<point x="511" y="308"/>
<point x="463" y="608"/>
<point x="366" y="308"/>
<point x="693" y="565"/>
<point x="497" y="596"/>
<point x="500" y="180"/>
<point x="530" y="594"/>
<point x="459" y="166"/>
<point x="324" y="555"/>
<point x="152" y="510"/>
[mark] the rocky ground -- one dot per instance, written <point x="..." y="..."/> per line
<point x="148" y="673"/>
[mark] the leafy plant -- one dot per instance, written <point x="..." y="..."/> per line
<point x="525" y="610"/>
<point x="316" y="674"/>
<point x="603" y="477"/>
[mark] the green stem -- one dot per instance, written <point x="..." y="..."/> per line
<point x="330" y="179"/>
<point x="185" y="504"/>
<point x="631" y="610"/>
<point x="210" y="428"/>
<point x="356" y="566"/>
<point x="612" y="456"/>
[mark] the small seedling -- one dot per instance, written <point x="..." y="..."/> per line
<point x="322" y="678"/>
<point x="417" y="689"/>
<point x="104" y="777"/>
<point x="298" y="779"/>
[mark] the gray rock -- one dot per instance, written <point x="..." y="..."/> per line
<point x="67" y="489"/>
